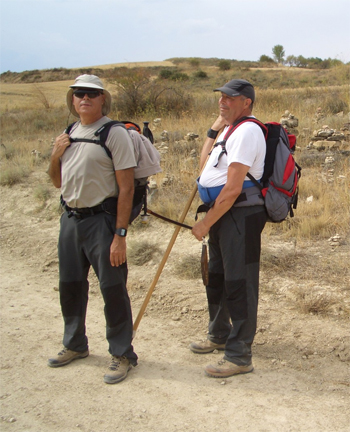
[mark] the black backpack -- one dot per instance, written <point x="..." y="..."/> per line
<point x="279" y="183"/>
<point x="148" y="157"/>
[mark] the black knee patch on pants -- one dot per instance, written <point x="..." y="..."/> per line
<point x="116" y="305"/>
<point x="254" y="225"/>
<point x="215" y="287"/>
<point x="73" y="297"/>
<point x="237" y="299"/>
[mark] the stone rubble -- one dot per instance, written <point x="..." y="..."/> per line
<point x="290" y="123"/>
<point x="335" y="240"/>
<point x="327" y="138"/>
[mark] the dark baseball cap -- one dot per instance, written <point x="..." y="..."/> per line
<point x="238" y="87"/>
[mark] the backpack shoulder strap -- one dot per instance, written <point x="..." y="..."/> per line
<point x="102" y="133"/>
<point x="273" y="137"/>
<point x="242" y="120"/>
<point x="265" y="131"/>
<point x="230" y="131"/>
<point x="69" y="128"/>
<point x="222" y="143"/>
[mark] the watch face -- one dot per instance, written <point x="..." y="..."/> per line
<point x="121" y="232"/>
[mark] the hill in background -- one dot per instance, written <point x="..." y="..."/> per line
<point x="261" y="74"/>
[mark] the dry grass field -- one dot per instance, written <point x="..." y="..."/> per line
<point x="301" y="351"/>
<point x="21" y="96"/>
<point x="137" y="65"/>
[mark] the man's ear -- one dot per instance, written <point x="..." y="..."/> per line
<point x="247" y="102"/>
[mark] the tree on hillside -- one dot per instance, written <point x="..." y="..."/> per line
<point x="301" y="62"/>
<point x="291" y="60"/>
<point x="139" y="93"/>
<point x="278" y="53"/>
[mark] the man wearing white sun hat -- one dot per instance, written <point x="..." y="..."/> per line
<point x="97" y="193"/>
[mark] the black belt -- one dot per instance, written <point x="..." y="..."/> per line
<point x="109" y="205"/>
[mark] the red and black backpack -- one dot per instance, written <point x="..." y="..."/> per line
<point x="279" y="183"/>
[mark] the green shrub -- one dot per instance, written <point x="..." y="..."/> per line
<point x="194" y="62"/>
<point x="165" y="73"/>
<point x="173" y="75"/>
<point x="179" y="76"/>
<point x="224" y="65"/>
<point x="201" y="74"/>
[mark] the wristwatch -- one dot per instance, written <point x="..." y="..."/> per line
<point x="121" y="232"/>
<point x="212" y="133"/>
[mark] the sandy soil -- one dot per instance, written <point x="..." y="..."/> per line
<point x="301" y="378"/>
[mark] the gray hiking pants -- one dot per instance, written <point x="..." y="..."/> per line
<point x="233" y="288"/>
<point x="83" y="243"/>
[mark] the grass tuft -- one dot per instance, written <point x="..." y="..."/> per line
<point x="13" y="174"/>
<point x="314" y="302"/>
<point x="142" y="252"/>
<point x="189" y="267"/>
<point x="42" y="193"/>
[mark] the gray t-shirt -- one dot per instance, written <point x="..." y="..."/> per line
<point x="88" y="173"/>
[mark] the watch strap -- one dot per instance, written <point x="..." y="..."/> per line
<point x="212" y="133"/>
<point x="121" y="232"/>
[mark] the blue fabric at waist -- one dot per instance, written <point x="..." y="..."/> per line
<point x="209" y="194"/>
<point x="248" y="183"/>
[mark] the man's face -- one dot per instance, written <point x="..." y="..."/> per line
<point x="232" y="108"/>
<point x="88" y="102"/>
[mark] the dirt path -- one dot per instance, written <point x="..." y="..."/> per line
<point x="301" y="378"/>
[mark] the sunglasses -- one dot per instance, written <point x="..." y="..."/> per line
<point x="91" y="94"/>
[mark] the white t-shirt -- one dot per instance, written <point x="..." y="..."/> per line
<point x="246" y="145"/>
<point x="88" y="173"/>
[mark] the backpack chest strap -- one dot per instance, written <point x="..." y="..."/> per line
<point x="85" y="140"/>
<point x="223" y="150"/>
<point x="98" y="142"/>
<point x="223" y="143"/>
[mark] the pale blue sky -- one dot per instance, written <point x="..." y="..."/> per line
<point x="43" y="34"/>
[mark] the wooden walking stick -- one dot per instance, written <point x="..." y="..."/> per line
<point x="163" y="261"/>
<point x="166" y="254"/>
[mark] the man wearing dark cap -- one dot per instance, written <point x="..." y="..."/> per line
<point x="97" y="193"/>
<point x="234" y="221"/>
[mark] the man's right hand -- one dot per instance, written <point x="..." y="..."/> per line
<point x="61" y="143"/>
<point x="219" y="123"/>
